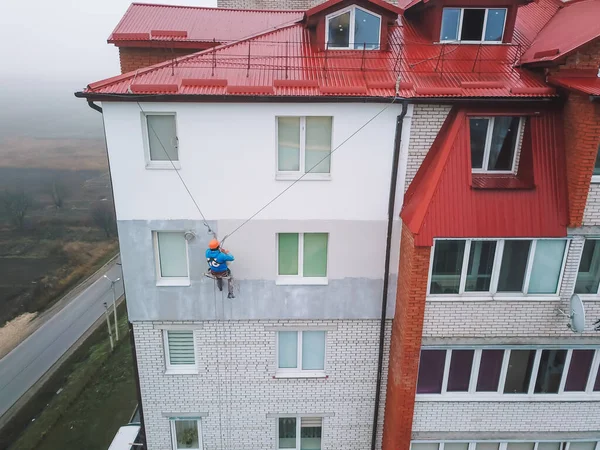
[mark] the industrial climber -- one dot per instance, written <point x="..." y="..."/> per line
<point x="217" y="259"/>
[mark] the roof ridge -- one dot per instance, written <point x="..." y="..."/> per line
<point x="218" y="9"/>
<point x="158" y="66"/>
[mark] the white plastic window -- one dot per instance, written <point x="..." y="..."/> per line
<point x="186" y="433"/>
<point x="301" y="353"/>
<point x="299" y="433"/>
<point x="302" y="258"/>
<point x="180" y="351"/>
<point x="473" y="25"/>
<point x="171" y="251"/>
<point x="160" y="140"/>
<point x="494" y="143"/>
<point x="353" y="28"/>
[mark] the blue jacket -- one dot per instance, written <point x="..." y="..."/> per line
<point x="217" y="260"/>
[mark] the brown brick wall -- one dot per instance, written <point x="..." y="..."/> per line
<point x="272" y="4"/>
<point x="133" y="58"/>
<point x="405" y="344"/>
<point x="587" y="57"/>
<point x="582" y="138"/>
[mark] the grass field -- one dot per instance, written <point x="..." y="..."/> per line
<point x="58" y="246"/>
<point x="84" y="403"/>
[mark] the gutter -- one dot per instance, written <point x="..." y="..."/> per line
<point x="386" y="273"/>
<point x="142" y="432"/>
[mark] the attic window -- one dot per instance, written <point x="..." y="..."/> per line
<point x="353" y="28"/>
<point x="494" y="143"/>
<point x="473" y="25"/>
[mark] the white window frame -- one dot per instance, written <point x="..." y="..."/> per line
<point x="298" y="428"/>
<point x="287" y="175"/>
<point x="283" y="280"/>
<point x="499" y="395"/>
<point x="460" y="24"/>
<point x="351" y="26"/>
<point x="165" y="165"/>
<point x="198" y="421"/>
<point x="503" y="445"/>
<point x="585" y="296"/>
<point x="488" y="145"/>
<point x="170" y="281"/>
<point x="298" y="371"/>
<point x="493" y="294"/>
<point x="596" y="178"/>
<point x="179" y="369"/>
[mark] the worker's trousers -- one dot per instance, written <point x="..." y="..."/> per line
<point x="219" y="276"/>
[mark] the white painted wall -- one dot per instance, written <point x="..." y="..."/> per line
<point x="228" y="160"/>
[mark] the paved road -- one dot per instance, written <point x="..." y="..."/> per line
<point x="23" y="366"/>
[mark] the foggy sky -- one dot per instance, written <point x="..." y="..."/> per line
<point x="50" y="49"/>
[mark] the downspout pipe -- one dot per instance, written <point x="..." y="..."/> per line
<point x="386" y="273"/>
<point x="136" y="374"/>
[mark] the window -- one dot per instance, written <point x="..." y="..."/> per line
<point x="596" y="174"/>
<point x="302" y="258"/>
<point x="304" y="145"/>
<point x="353" y="28"/>
<point x="180" y="351"/>
<point x="301" y="353"/>
<point x="473" y="25"/>
<point x="588" y="276"/>
<point x="494" y="143"/>
<point x="492" y="372"/>
<point x="513" y="445"/>
<point x="171" y="259"/>
<point x="186" y="433"/>
<point x="299" y="433"/>
<point x="160" y="136"/>
<point x="510" y="266"/>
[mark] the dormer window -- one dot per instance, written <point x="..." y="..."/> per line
<point x="470" y="25"/>
<point x="353" y="28"/>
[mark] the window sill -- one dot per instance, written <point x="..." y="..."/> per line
<point x="174" y="282"/>
<point x="500" y="181"/>
<point x="293" y="176"/>
<point x="581" y="397"/>
<point x="191" y="371"/>
<point x="306" y="374"/>
<point x="301" y="281"/>
<point x="163" y="165"/>
<point x="493" y="298"/>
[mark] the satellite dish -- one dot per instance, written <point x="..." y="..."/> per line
<point x="189" y="235"/>
<point x="576" y="314"/>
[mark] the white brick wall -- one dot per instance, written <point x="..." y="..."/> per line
<point x="528" y="417"/>
<point x="426" y="123"/>
<point x="520" y="318"/>
<point x="235" y="384"/>
<point x="591" y="214"/>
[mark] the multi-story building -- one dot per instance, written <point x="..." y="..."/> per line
<point x="396" y="186"/>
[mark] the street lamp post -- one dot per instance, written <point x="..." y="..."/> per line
<point x="112" y="285"/>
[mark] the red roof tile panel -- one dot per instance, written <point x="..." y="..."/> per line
<point x="584" y="85"/>
<point x="197" y="23"/>
<point x="574" y="25"/>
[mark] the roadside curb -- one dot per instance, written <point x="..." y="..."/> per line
<point x="14" y="409"/>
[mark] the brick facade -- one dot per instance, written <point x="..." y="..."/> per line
<point x="425" y="126"/>
<point x="272" y="4"/>
<point x="235" y="391"/>
<point x="405" y="344"/>
<point x="133" y="58"/>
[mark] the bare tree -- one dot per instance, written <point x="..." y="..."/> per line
<point x="16" y="204"/>
<point x="59" y="193"/>
<point x="104" y="217"/>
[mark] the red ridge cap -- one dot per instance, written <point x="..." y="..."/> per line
<point x="140" y="88"/>
<point x="169" y="33"/>
<point x="544" y="53"/>
<point x="533" y="90"/>
<point x="250" y="89"/>
<point x="130" y="36"/>
<point x="343" y="90"/>
<point x="295" y="83"/>
<point x="482" y="84"/>
<point x="438" y="90"/>
<point x="204" y="82"/>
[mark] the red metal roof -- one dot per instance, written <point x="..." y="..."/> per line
<point x="150" y="22"/>
<point x="586" y="83"/>
<point x="443" y="202"/>
<point x="574" y="25"/>
<point x="531" y="18"/>
<point x="330" y="3"/>
<point x="260" y="65"/>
